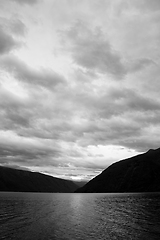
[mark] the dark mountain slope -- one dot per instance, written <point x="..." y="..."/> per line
<point x="137" y="174"/>
<point x="15" y="180"/>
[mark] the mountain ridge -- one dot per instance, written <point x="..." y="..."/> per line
<point x="18" y="180"/>
<point x="140" y="173"/>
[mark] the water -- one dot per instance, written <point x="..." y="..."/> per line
<point x="46" y="216"/>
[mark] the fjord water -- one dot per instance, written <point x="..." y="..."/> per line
<point x="46" y="216"/>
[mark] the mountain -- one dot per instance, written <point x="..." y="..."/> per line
<point x="80" y="183"/>
<point x="15" y="180"/>
<point x="140" y="173"/>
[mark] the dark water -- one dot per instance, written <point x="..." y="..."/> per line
<point x="27" y="216"/>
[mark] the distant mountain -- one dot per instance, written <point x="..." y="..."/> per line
<point x="140" y="173"/>
<point x="80" y="183"/>
<point x="15" y="180"/>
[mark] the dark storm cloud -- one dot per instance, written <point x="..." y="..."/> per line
<point x="7" y="42"/>
<point x="43" y="77"/>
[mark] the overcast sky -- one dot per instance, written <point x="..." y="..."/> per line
<point x="79" y="83"/>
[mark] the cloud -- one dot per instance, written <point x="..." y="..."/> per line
<point x="18" y="27"/>
<point x="29" y="2"/>
<point x="131" y="100"/>
<point x="135" y="31"/>
<point x="72" y="117"/>
<point x="14" y="26"/>
<point x="7" y="42"/>
<point x="139" y="64"/>
<point x="148" y="5"/>
<point x="61" y="118"/>
<point x="90" y="49"/>
<point x="115" y="118"/>
<point x="21" y="71"/>
<point x="29" y="151"/>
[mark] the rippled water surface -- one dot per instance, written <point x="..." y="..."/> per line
<point x="27" y="216"/>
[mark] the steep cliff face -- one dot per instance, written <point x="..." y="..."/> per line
<point x="137" y="174"/>
<point x="15" y="180"/>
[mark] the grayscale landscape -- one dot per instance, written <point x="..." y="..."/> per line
<point x="79" y="119"/>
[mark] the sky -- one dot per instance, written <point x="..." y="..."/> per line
<point x="79" y="84"/>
